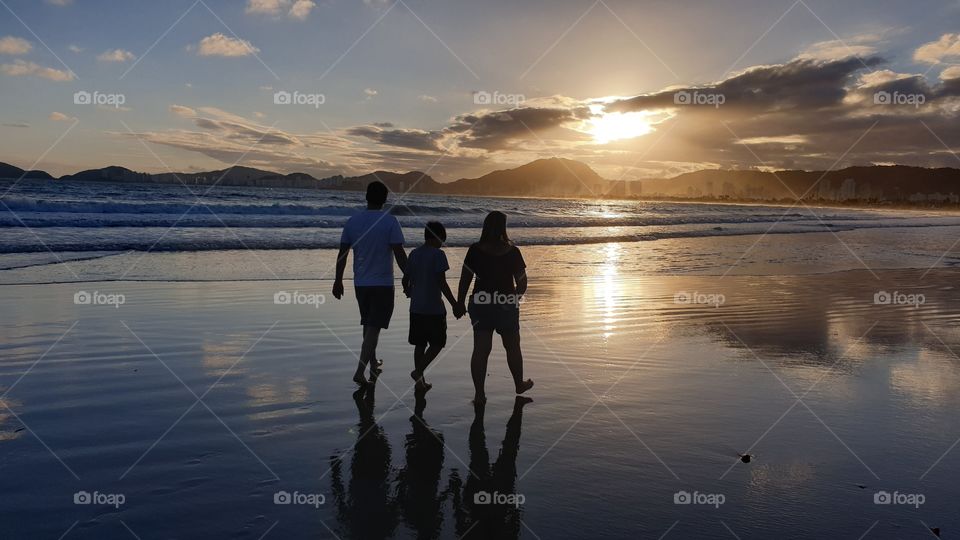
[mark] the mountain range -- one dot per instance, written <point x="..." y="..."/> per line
<point x="559" y="177"/>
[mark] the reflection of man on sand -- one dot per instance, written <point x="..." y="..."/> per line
<point x="366" y="509"/>
<point x="488" y="506"/>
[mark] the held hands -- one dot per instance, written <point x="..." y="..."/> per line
<point x="459" y="310"/>
<point x="338" y="289"/>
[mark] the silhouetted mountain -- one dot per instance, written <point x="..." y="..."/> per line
<point x="10" y="171"/>
<point x="555" y="177"/>
<point x="413" y="182"/>
<point x="559" y="177"/>
<point x="875" y="184"/>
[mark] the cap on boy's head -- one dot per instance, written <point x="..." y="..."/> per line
<point x="376" y="193"/>
<point x="435" y="231"/>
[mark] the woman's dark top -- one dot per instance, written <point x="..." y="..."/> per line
<point x="494" y="272"/>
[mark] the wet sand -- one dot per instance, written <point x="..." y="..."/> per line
<point x="200" y="402"/>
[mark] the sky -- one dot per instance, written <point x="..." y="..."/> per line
<point x="636" y="89"/>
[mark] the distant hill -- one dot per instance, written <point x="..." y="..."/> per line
<point x="10" y="171"/>
<point x="558" y="177"/>
<point x="876" y="184"/>
<point x="555" y="177"/>
<point x="412" y="182"/>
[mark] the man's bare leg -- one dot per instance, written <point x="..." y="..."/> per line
<point x="368" y="354"/>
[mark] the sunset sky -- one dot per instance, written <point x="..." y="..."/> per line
<point x="635" y="89"/>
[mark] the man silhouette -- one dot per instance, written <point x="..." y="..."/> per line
<point x="374" y="236"/>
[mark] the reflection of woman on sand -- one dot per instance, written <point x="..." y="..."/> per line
<point x="495" y="304"/>
<point x="488" y="508"/>
<point x="366" y="509"/>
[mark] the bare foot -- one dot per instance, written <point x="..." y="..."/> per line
<point x="422" y="385"/>
<point x="376" y="367"/>
<point x="524" y="386"/>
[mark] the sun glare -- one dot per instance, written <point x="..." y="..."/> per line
<point x="615" y="126"/>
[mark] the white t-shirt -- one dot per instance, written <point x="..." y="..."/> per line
<point x="371" y="234"/>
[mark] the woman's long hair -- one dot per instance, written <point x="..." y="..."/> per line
<point x="495" y="228"/>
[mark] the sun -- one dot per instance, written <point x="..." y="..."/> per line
<point x="614" y="126"/>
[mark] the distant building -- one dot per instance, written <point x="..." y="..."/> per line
<point x="848" y="190"/>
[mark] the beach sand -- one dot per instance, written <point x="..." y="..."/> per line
<point x="199" y="401"/>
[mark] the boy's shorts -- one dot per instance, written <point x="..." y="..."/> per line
<point x="376" y="306"/>
<point x="428" y="330"/>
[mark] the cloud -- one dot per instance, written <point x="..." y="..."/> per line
<point x="75" y="49"/>
<point x="416" y="139"/>
<point x="497" y="130"/>
<point x="21" y="68"/>
<point x="60" y="2"/>
<point x="60" y="117"/>
<point x="301" y="9"/>
<point x="221" y="45"/>
<point x="116" y="55"/>
<point x="370" y="92"/>
<point x="183" y="112"/>
<point x="14" y="45"/>
<point x="16" y="124"/>
<point x="427" y="99"/>
<point x="294" y="9"/>
<point x="836" y="49"/>
<point x="952" y="72"/>
<point x="947" y="47"/>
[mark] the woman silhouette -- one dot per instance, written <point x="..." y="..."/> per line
<point x="495" y="303"/>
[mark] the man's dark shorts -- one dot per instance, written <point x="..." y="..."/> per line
<point x="502" y="318"/>
<point x="376" y="306"/>
<point x="428" y="330"/>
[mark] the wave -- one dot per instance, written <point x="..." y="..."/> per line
<point x="162" y="241"/>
